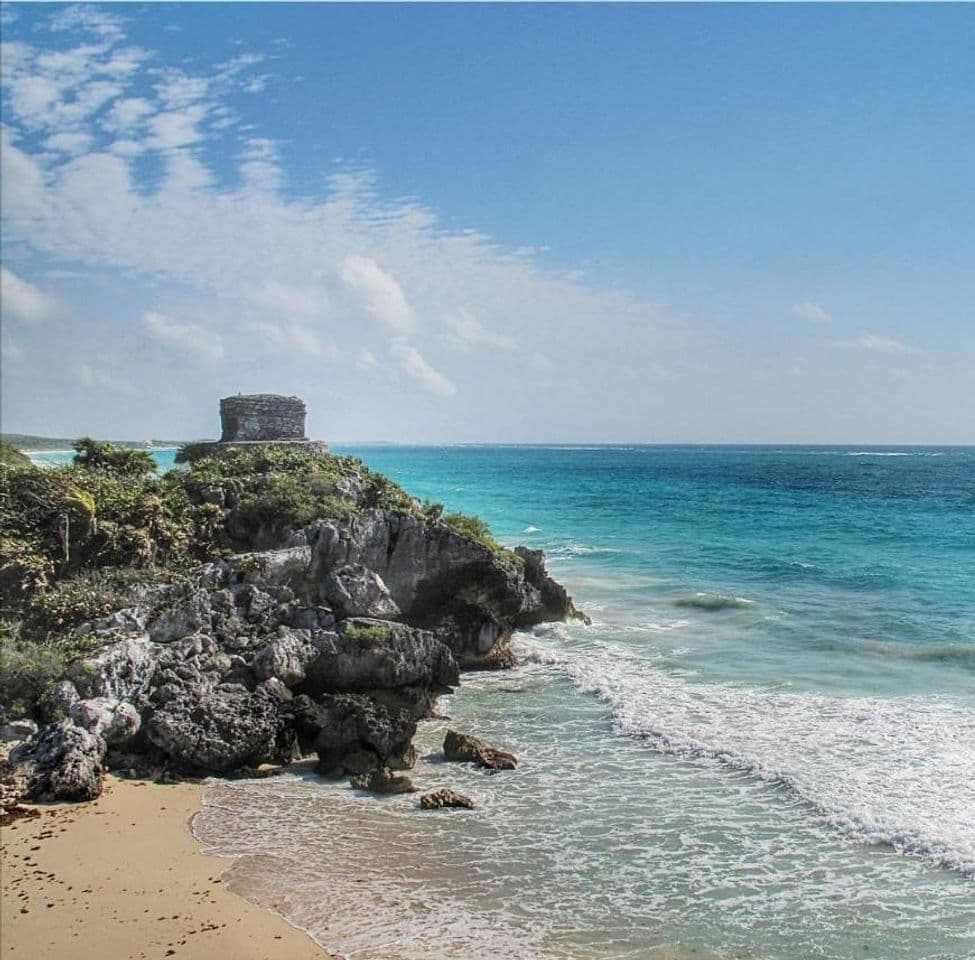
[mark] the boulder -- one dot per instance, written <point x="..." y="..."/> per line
<point x="220" y="729"/>
<point x="384" y="780"/>
<point x="189" y="615"/>
<point x="438" y="799"/>
<point x="355" y="591"/>
<point x="286" y="657"/>
<point x="115" y="721"/>
<point x="464" y="748"/>
<point x="121" y="670"/>
<point x="341" y="728"/>
<point x="367" y="654"/>
<point x="61" y="761"/>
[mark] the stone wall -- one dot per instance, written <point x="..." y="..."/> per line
<point x="263" y="416"/>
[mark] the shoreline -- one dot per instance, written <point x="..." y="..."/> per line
<point x="124" y="877"/>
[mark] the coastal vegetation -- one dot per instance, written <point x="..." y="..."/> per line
<point x="77" y="541"/>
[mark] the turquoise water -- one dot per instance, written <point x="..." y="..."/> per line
<point x="764" y="745"/>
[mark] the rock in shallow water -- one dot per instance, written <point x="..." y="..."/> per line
<point x="384" y="780"/>
<point x="438" y="799"/>
<point x="464" y="748"/>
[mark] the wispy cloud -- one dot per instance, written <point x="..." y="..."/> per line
<point x="811" y="311"/>
<point x="417" y="369"/>
<point x="382" y="295"/>
<point x="875" y="342"/>
<point x="20" y="300"/>
<point x="189" y="338"/>
<point x="93" y="378"/>
<point x="343" y="272"/>
<point x="465" y="332"/>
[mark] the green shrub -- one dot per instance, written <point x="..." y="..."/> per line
<point x="12" y="456"/>
<point x="100" y="455"/>
<point x="28" y="672"/>
<point x="368" y="635"/>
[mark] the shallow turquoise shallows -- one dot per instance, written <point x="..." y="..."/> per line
<point x="764" y="745"/>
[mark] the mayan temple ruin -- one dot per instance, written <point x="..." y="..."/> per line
<point x="246" y="420"/>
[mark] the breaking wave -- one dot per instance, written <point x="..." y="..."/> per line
<point x="713" y="601"/>
<point x="885" y="771"/>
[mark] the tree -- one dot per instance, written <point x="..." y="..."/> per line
<point x="101" y="455"/>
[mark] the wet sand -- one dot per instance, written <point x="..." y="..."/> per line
<point x="122" y="878"/>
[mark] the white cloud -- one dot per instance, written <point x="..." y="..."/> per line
<point x="127" y="113"/>
<point x="366" y="360"/>
<point x="85" y="16"/>
<point x="176" y="128"/>
<point x="296" y="337"/>
<point x="190" y="338"/>
<point x="290" y="300"/>
<point x="23" y="301"/>
<point x="100" y="379"/>
<point x="72" y="143"/>
<point x="874" y="342"/>
<point x="465" y="332"/>
<point x="417" y="369"/>
<point x="382" y="295"/>
<point x="811" y="311"/>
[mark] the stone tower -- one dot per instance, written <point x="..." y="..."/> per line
<point x="262" y="416"/>
<point x="253" y="421"/>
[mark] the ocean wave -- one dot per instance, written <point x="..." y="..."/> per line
<point x="958" y="653"/>
<point x="569" y="550"/>
<point x="885" y="771"/>
<point x="531" y="529"/>
<point x="713" y="601"/>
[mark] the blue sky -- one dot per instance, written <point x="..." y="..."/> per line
<point x="475" y="223"/>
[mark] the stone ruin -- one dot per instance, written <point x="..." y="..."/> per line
<point x="262" y="416"/>
<point x="264" y="419"/>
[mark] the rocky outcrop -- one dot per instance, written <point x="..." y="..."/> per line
<point x="440" y="799"/>
<point x="464" y="748"/>
<point x="221" y="729"/>
<point x="61" y="761"/>
<point x="336" y="643"/>
<point x="467" y="593"/>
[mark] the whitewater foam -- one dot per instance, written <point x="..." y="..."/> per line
<point x="899" y="772"/>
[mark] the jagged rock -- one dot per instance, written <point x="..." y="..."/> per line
<point x="556" y="604"/>
<point x="272" y="568"/>
<point x="276" y="688"/>
<point x="17" y="730"/>
<point x="59" y="700"/>
<point x="220" y="729"/>
<point x="115" y="721"/>
<point x="287" y="657"/>
<point x="470" y="594"/>
<point x="60" y="762"/>
<point x="356" y="591"/>
<point x="303" y="617"/>
<point x="122" y="670"/>
<point x="384" y="780"/>
<point x="337" y="726"/>
<point x="186" y="616"/>
<point x="369" y="654"/>
<point x="464" y="748"/>
<point x="438" y="799"/>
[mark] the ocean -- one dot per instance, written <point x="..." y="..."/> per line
<point x="762" y="747"/>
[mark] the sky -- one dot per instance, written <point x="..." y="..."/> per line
<point x="492" y="223"/>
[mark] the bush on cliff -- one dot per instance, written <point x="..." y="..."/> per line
<point x="107" y="511"/>
<point x="12" y="456"/>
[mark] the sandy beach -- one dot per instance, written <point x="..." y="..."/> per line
<point x="123" y="878"/>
